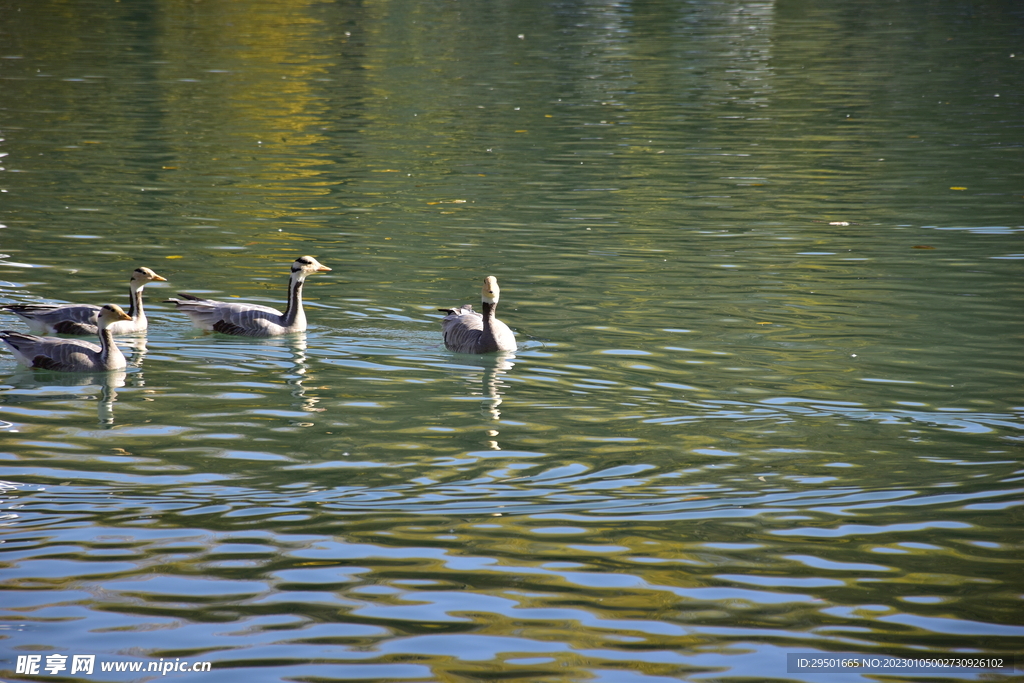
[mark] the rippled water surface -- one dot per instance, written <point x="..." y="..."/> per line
<point x="764" y="262"/>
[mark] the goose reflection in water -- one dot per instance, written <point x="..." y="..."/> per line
<point x="137" y="346"/>
<point x="300" y="374"/>
<point x="285" y="355"/>
<point x="492" y="388"/>
<point x="108" y="384"/>
<point x="32" y="386"/>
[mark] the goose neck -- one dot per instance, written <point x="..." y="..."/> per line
<point x="109" y="353"/>
<point x="135" y="302"/>
<point x="293" y="311"/>
<point x="487" y="340"/>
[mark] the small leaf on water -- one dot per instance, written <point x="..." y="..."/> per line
<point x="174" y="257"/>
<point x="957" y="187"/>
<point x="922" y="246"/>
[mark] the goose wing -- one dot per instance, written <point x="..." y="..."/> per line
<point x="462" y="329"/>
<point x="251" y="320"/>
<point x="52" y="353"/>
<point x="57" y="318"/>
<point x="224" y="327"/>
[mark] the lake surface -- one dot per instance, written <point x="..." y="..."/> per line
<point x="764" y="262"/>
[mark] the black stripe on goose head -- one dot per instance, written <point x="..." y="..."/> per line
<point x="143" y="273"/>
<point x="308" y="264"/>
<point x="302" y="262"/>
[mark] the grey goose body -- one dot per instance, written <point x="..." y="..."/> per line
<point x="466" y="331"/>
<point x="253" y="320"/>
<point x="80" y="319"/>
<point x="71" y="355"/>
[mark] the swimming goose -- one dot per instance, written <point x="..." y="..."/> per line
<point x="81" y="318"/>
<point x="71" y="355"/>
<point x="253" y="320"/>
<point x="466" y="331"/>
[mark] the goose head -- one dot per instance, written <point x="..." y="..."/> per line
<point x="490" y="292"/>
<point x="142" y="276"/>
<point x="111" y="313"/>
<point x="304" y="265"/>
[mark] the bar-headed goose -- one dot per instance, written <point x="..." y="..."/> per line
<point x="81" y="318"/>
<point x="466" y="331"/>
<point x="253" y="320"/>
<point x="71" y="355"/>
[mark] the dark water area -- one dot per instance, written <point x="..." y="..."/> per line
<point x="763" y="260"/>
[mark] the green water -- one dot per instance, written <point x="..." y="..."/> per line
<point x="764" y="262"/>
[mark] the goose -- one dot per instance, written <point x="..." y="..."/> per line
<point x="71" y="355"/>
<point x="466" y="331"/>
<point x="253" y="320"/>
<point x="81" y="318"/>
